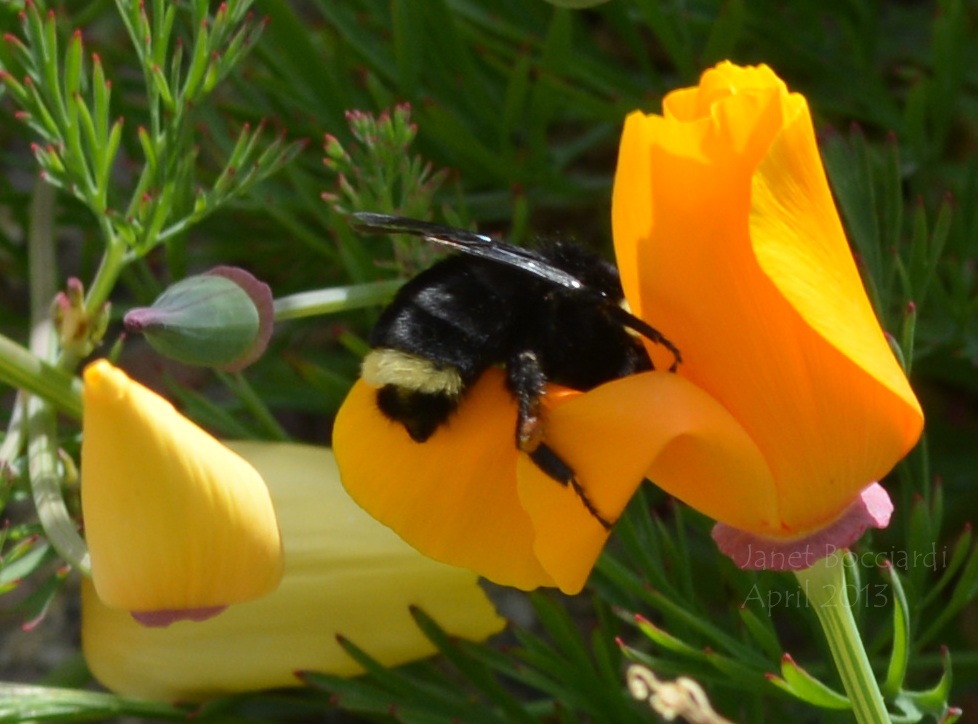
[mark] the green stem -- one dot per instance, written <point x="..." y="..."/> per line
<point x="238" y="384"/>
<point x="14" y="440"/>
<point x="42" y="435"/>
<point x="18" y="366"/>
<point x="24" y="370"/>
<point x="42" y="454"/>
<point x="113" y="261"/>
<point x="825" y="585"/>
<point x="49" y="703"/>
<point x="336" y="299"/>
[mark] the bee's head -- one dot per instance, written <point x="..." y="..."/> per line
<point x="598" y="274"/>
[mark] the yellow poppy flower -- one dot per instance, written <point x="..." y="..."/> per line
<point x="789" y="401"/>
<point x="177" y="525"/>
<point x="345" y="574"/>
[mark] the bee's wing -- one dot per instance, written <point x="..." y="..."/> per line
<point x="468" y="242"/>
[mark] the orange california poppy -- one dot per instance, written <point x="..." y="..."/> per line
<point x="728" y="241"/>
<point x="789" y="401"/>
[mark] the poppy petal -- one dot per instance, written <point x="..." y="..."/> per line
<point x="656" y="425"/>
<point x="632" y="213"/>
<point x="450" y="496"/>
<point x="800" y="244"/>
<point x="173" y="519"/>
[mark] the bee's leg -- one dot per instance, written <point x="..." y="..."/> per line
<point x="527" y="383"/>
<point x="554" y="467"/>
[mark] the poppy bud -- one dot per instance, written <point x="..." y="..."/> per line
<point x="78" y="331"/>
<point x="219" y="319"/>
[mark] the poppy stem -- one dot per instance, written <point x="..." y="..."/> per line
<point x="40" y="416"/>
<point x="336" y="299"/>
<point x="825" y="585"/>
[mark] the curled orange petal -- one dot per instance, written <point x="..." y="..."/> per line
<point x="656" y="425"/>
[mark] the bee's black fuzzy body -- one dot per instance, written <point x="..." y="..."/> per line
<point x="552" y="315"/>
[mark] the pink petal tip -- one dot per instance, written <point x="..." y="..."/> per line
<point x="754" y="552"/>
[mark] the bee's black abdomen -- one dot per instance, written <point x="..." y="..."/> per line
<point x="444" y="328"/>
<point x="420" y="413"/>
<point x="456" y="314"/>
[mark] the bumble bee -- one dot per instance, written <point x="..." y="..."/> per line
<point x="550" y="315"/>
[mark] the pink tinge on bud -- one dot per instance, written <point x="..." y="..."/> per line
<point x="162" y="619"/>
<point x="62" y="305"/>
<point x="750" y="551"/>
<point x="261" y="295"/>
<point x="141" y="319"/>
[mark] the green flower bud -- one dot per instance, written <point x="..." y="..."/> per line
<point x="219" y="319"/>
<point x="78" y="331"/>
